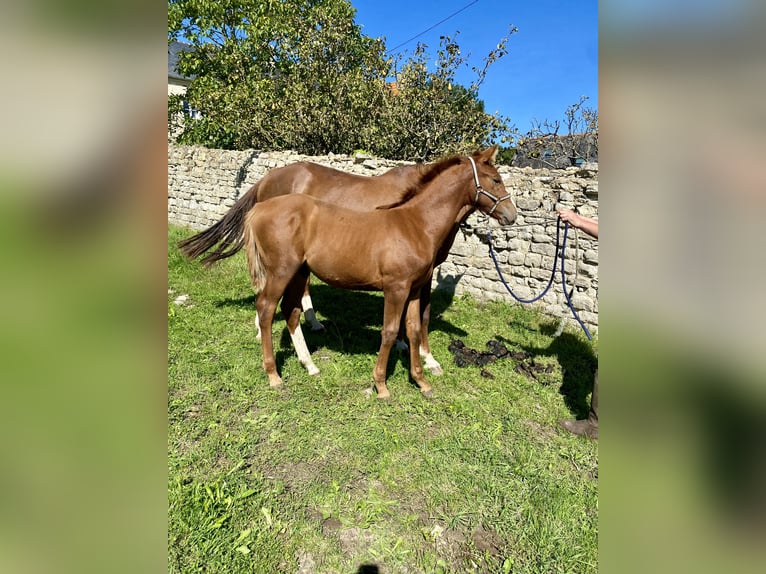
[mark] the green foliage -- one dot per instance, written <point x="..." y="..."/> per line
<point x="505" y="155"/>
<point x="299" y="74"/>
<point x="431" y="114"/>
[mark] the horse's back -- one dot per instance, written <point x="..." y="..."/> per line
<point x="328" y="184"/>
<point x="285" y="180"/>
<point x="282" y="212"/>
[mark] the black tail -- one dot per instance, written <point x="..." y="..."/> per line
<point x="227" y="233"/>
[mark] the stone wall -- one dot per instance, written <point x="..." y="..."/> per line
<point x="204" y="183"/>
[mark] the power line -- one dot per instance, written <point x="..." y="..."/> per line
<point x="392" y="51"/>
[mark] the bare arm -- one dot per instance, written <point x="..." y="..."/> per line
<point x="587" y="224"/>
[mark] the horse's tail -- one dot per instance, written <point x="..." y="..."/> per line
<point x="227" y="233"/>
<point x="254" y="261"/>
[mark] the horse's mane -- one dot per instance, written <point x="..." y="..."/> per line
<point x="426" y="174"/>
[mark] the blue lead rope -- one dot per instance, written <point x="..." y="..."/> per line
<point x="553" y="274"/>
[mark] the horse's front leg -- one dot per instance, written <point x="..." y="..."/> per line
<point x="393" y="305"/>
<point x="425" y="318"/>
<point x="414" y="330"/>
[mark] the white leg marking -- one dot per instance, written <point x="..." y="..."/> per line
<point x="303" y="351"/>
<point x="430" y="363"/>
<point x="258" y="327"/>
<point x="308" y="312"/>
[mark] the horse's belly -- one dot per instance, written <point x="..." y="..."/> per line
<point x="345" y="275"/>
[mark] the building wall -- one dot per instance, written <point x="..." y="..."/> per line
<point x="204" y="183"/>
<point x="175" y="87"/>
<point x="175" y="124"/>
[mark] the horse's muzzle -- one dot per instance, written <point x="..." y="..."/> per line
<point x="504" y="210"/>
<point x="506" y="219"/>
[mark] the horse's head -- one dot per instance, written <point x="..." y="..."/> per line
<point x="491" y="196"/>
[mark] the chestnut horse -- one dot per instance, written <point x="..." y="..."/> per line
<point x="392" y="249"/>
<point x="358" y="192"/>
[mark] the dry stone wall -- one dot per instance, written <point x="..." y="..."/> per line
<point x="204" y="183"/>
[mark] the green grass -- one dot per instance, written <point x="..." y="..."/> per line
<point x="320" y="476"/>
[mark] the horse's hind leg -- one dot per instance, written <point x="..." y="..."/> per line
<point x="308" y="310"/>
<point x="401" y="345"/>
<point x="414" y="331"/>
<point x="266" y="305"/>
<point x="425" y="318"/>
<point x="291" y="310"/>
<point x="258" y="333"/>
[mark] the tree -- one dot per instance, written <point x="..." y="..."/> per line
<point x="299" y="74"/>
<point x="431" y="111"/>
<point x="543" y="146"/>
<point x="274" y="74"/>
<point x="505" y="155"/>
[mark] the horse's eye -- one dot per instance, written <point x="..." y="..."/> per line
<point x="497" y="180"/>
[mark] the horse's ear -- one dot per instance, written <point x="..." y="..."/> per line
<point x="489" y="154"/>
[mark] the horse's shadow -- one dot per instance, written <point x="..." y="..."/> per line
<point x="578" y="366"/>
<point x="352" y="321"/>
<point x="441" y="298"/>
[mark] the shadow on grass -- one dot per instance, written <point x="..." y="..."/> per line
<point x="352" y="320"/>
<point x="578" y="367"/>
<point x="357" y="316"/>
<point x="441" y="299"/>
<point x="241" y="302"/>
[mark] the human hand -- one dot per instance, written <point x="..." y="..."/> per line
<point x="588" y="225"/>
<point x="569" y="216"/>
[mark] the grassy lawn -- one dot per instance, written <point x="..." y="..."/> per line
<point x="320" y="476"/>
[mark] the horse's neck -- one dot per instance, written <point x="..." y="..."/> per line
<point x="443" y="204"/>
<point x="446" y="194"/>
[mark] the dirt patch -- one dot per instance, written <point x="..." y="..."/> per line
<point x="193" y="412"/>
<point x="539" y="430"/>
<point x="330" y="526"/>
<point x="478" y="551"/>
<point x="184" y="446"/>
<point x="293" y="474"/>
<point x="355" y="541"/>
<point x="449" y="544"/>
<point x="306" y="563"/>
<point x="487" y="541"/>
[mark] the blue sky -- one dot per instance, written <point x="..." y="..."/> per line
<point x="552" y="60"/>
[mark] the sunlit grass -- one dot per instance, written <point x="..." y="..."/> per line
<point x="322" y="476"/>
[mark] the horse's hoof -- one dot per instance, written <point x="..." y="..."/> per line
<point x="313" y="370"/>
<point x="275" y="383"/>
<point x="429" y="394"/>
<point x="383" y="393"/>
<point x="430" y="363"/>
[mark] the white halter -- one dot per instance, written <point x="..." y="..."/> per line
<point x="481" y="191"/>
